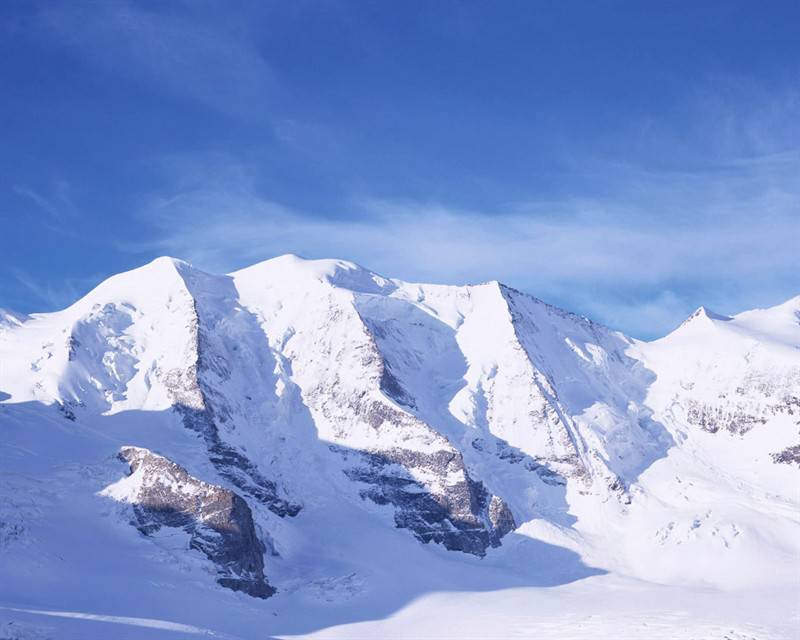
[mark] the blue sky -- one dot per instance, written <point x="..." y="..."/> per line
<point x="626" y="160"/>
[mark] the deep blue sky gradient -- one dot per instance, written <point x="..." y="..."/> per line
<point x="626" y="160"/>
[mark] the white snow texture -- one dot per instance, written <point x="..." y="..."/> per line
<point x="387" y="437"/>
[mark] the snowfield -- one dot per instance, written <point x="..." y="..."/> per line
<point x="409" y="461"/>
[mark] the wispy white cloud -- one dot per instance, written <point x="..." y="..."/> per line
<point x="56" y="294"/>
<point x="639" y="260"/>
<point x="56" y="201"/>
<point x="176" y="47"/>
<point x="43" y="202"/>
<point x="53" y="208"/>
<point x="700" y="207"/>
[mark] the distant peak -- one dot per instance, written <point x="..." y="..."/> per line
<point x="704" y="313"/>
<point x="792" y="304"/>
<point x="11" y="318"/>
<point x="783" y="317"/>
<point x="711" y="315"/>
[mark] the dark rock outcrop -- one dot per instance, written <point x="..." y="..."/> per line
<point x="463" y="516"/>
<point x="219" y="521"/>
<point x="790" y="455"/>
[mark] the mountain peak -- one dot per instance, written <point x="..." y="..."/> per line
<point x="781" y="322"/>
<point x="139" y="285"/>
<point x="710" y="315"/>
<point x="338" y="273"/>
<point x="10" y="318"/>
<point x="158" y="267"/>
<point x="792" y="305"/>
<point x="165" y="261"/>
<point x="703" y="315"/>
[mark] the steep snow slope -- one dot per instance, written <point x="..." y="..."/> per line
<point x="730" y="374"/>
<point x="348" y="388"/>
<point x="359" y="417"/>
<point x="110" y="351"/>
<point x="722" y="507"/>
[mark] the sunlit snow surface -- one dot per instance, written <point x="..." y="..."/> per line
<point x="640" y="475"/>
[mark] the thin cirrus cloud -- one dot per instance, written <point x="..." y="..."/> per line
<point x="704" y="210"/>
<point x="208" y="61"/>
<point x="639" y="259"/>
<point x="55" y="201"/>
<point x="56" y="294"/>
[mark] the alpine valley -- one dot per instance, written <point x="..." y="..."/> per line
<point x="304" y="448"/>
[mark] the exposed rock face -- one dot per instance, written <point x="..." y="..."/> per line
<point x="501" y="517"/>
<point x="219" y="522"/>
<point x="790" y="455"/>
<point x="753" y="402"/>
<point x="431" y="489"/>
<point x="462" y="517"/>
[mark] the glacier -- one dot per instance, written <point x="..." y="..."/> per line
<point x="305" y="448"/>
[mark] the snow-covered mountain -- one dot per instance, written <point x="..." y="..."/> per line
<point x="303" y="444"/>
